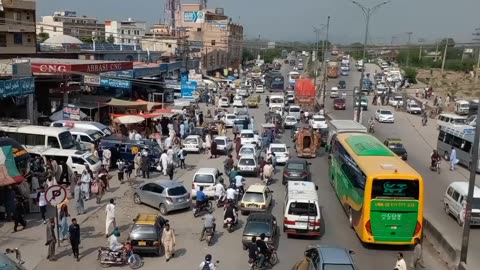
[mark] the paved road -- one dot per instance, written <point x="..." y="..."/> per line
<point x="227" y="247"/>
<point x="419" y="142"/>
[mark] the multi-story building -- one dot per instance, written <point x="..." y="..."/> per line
<point x="219" y="40"/>
<point x="125" y="32"/>
<point x="68" y="23"/>
<point x="17" y="27"/>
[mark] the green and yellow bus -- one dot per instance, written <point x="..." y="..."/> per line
<point x="381" y="194"/>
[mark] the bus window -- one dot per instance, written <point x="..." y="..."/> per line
<point x="441" y="135"/>
<point x="53" y="142"/>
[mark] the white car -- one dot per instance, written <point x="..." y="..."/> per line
<point x="241" y="92"/>
<point x="384" y="116"/>
<point x="290" y="97"/>
<point x="223" y="102"/>
<point x="238" y="101"/>
<point x="280" y="150"/>
<point x="318" y="121"/>
<point x="229" y="119"/>
<point x="395" y="101"/>
<point x="224" y="144"/>
<point x="334" y="92"/>
<point x="247" y="136"/>
<point x="290" y="121"/>
<point x="380" y="88"/>
<point x="193" y="143"/>
<point x="248" y="164"/>
<point x="413" y="108"/>
<point x="259" y="88"/>
<point x="249" y="149"/>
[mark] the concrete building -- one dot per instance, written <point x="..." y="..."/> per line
<point x="68" y="23"/>
<point x="125" y="32"/>
<point x="217" y="39"/>
<point x="17" y="27"/>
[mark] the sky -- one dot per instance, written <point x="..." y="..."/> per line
<point x="293" y="20"/>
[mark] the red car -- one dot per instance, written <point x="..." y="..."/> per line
<point x="339" y="104"/>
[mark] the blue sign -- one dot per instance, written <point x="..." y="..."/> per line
<point x="114" y="83"/>
<point x="184" y="77"/>
<point x="118" y="74"/>
<point x="17" y="87"/>
<point x="146" y="71"/>
<point x="189" y="89"/>
<point x="194" y="16"/>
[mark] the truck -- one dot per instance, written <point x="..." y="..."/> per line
<point x="332" y="70"/>
<point x="343" y="126"/>
<point x="307" y="142"/>
<point x="305" y="94"/>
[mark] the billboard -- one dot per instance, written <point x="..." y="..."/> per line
<point x="189" y="89"/>
<point x="194" y="16"/>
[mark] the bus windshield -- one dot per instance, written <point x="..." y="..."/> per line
<point x="66" y="140"/>
<point x="395" y="189"/>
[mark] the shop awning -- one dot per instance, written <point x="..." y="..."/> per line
<point x="126" y="103"/>
<point x="144" y="115"/>
<point x="8" y="168"/>
<point x="150" y="105"/>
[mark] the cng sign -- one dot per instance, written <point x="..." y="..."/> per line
<point x="53" y="68"/>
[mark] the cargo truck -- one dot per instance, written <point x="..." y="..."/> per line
<point x="305" y="94"/>
<point x="332" y="70"/>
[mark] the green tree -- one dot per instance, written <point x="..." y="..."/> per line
<point x="41" y="37"/>
<point x="451" y="42"/>
<point x="110" y="39"/>
<point x="86" y="39"/>
<point x="247" y="55"/>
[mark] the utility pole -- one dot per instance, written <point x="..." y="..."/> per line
<point x="408" y="47"/>
<point x="471" y="186"/>
<point x="325" y="42"/>
<point x="478" y="66"/>
<point x="436" y="51"/>
<point x="317" y="34"/>
<point x="444" y="54"/>
<point x="420" y="40"/>
<point x="368" y="13"/>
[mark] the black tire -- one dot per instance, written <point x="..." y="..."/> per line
<point x="163" y="209"/>
<point x="274" y="259"/>
<point x="136" y="199"/>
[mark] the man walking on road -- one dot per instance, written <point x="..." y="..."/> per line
<point x="417" y="255"/>
<point x="453" y="159"/>
<point x="400" y="264"/>
<point x="51" y="239"/>
<point x="110" y="219"/>
<point x="74" y="232"/>
<point x="168" y="240"/>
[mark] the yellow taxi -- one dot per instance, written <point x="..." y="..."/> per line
<point x="146" y="233"/>
<point x="252" y="102"/>
<point x="257" y="198"/>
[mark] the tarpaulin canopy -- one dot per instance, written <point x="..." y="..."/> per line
<point x="144" y="115"/>
<point x="8" y="168"/>
<point x="126" y="103"/>
<point x="150" y="104"/>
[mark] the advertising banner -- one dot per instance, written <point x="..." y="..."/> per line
<point x="194" y="16"/>
<point x="188" y="89"/>
<point x="17" y="87"/>
<point x="71" y="112"/>
<point x="114" y="83"/>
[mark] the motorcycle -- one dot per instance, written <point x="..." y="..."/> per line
<point x="208" y="236"/>
<point x="371" y="128"/>
<point x="436" y="167"/>
<point x="272" y="260"/>
<point x="205" y="207"/>
<point x="229" y="224"/>
<point x="107" y="257"/>
<point x="221" y="201"/>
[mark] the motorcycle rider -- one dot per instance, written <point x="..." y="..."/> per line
<point x="220" y="191"/>
<point x="263" y="249"/>
<point x="253" y="250"/>
<point x="231" y="193"/>
<point x="239" y="183"/>
<point x="230" y="212"/>
<point x="209" y="222"/>
<point x="371" y="124"/>
<point x="228" y="164"/>
<point x="201" y="199"/>
<point x="267" y="171"/>
<point x="207" y="264"/>
<point x="434" y="157"/>
<point x="233" y="173"/>
<point x="113" y="243"/>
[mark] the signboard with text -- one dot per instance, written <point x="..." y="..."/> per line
<point x="194" y="16"/>
<point x="114" y="83"/>
<point x="38" y="67"/>
<point x="71" y="112"/>
<point x="17" y="87"/>
<point x="91" y="80"/>
<point x="188" y="89"/>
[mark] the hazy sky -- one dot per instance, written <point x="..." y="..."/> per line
<point x="293" y="19"/>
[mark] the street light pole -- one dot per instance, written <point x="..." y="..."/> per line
<point x="325" y="42"/>
<point x="408" y="47"/>
<point x="317" y="43"/>
<point x="367" y="12"/>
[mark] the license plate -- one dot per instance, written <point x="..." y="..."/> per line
<point x="181" y="200"/>
<point x="302" y="224"/>
<point x="253" y="206"/>
<point x="142" y="243"/>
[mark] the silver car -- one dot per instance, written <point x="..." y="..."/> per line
<point x="166" y="195"/>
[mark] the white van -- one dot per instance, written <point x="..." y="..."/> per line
<point x="83" y="125"/>
<point x="462" y="107"/>
<point x="206" y="178"/>
<point x="301" y="210"/>
<point x="453" y="199"/>
<point x="75" y="160"/>
<point x="446" y="119"/>
<point x="295" y="111"/>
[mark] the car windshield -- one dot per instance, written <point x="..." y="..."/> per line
<point x="231" y="116"/>
<point x="92" y="159"/>
<point x="203" y="178"/>
<point x="253" y="197"/>
<point x="238" y="98"/>
<point x="337" y="267"/>
<point x="247" y="150"/>
<point x="257" y="228"/>
<point x="66" y="140"/>
<point x="220" y="141"/>
<point x="190" y="140"/>
<point x="276" y="100"/>
<point x="340" y="101"/>
<point x="246" y="162"/>
<point x="6" y="263"/>
<point x="395" y="145"/>
<point x="302" y="209"/>
<point x="386" y="112"/>
<point x="294" y="109"/>
<point x="247" y="135"/>
<point x="398" y="98"/>
<point x="413" y="105"/>
<point x="295" y="166"/>
<point x="278" y="149"/>
<point x="176" y="191"/>
<point x="291" y="118"/>
<point x="144" y="232"/>
<point x="318" y="118"/>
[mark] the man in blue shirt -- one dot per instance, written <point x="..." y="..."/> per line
<point x="239" y="182"/>
<point x="201" y="197"/>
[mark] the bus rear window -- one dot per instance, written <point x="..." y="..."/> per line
<point x="395" y="188"/>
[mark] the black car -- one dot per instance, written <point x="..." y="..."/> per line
<point x="396" y="146"/>
<point x="258" y="223"/>
<point x="296" y="170"/>
<point x="342" y="84"/>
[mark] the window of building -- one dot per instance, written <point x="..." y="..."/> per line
<point x="29" y="38"/>
<point x="17" y="16"/>
<point x="54" y="29"/>
<point x="27" y="16"/>
<point x="199" y="29"/>
<point x="18" y="38"/>
<point x="213" y="42"/>
<point x="2" y="17"/>
<point x="3" y="39"/>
